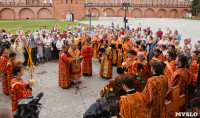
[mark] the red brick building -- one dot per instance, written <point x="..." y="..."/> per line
<point x="58" y="9"/>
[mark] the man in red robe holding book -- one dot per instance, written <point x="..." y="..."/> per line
<point x="64" y="65"/>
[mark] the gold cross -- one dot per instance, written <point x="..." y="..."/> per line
<point x="137" y="105"/>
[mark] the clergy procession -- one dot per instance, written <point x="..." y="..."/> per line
<point x="158" y="71"/>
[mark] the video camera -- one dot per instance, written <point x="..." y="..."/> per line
<point x="103" y="108"/>
<point x="29" y="107"/>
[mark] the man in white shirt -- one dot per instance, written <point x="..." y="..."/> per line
<point x="69" y="39"/>
<point x="164" y="49"/>
<point x="9" y="35"/>
<point x="59" y="44"/>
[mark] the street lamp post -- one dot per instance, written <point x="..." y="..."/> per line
<point x="70" y="13"/>
<point x="90" y="14"/>
<point x="126" y="6"/>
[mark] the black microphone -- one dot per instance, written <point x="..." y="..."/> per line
<point x="37" y="98"/>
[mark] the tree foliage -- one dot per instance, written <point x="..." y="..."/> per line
<point x="195" y="7"/>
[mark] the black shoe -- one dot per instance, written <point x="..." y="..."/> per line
<point x="6" y="94"/>
<point x="114" y="64"/>
<point x="85" y="74"/>
<point x="107" y="78"/>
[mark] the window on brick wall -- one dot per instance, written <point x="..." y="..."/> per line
<point x="66" y="1"/>
<point x="71" y="1"/>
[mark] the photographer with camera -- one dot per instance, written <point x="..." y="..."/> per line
<point x="132" y="104"/>
<point x="19" y="89"/>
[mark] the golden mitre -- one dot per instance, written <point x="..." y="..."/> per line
<point x="124" y="64"/>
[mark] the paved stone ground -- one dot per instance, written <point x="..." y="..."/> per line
<point x="186" y="27"/>
<point x="58" y="102"/>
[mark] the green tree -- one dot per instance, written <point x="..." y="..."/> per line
<point x="195" y="7"/>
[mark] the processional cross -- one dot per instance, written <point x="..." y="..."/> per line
<point x="30" y="66"/>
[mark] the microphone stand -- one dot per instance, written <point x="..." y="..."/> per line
<point x="77" y="84"/>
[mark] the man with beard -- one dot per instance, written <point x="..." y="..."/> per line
<point x="180" y="76"/>
<point x="172" y="48"/>
<point x="193" y="72"/>
<point x="158" y="55"/>
<point x="170" y="67"/>
<point x="136" y="46"/>
<point x="64" y="65"/>
<point x="193" y="68"/>
<point x="75" y="67"/>
<point x="87" y="53"/>
<point x="106" y="61"/>
<point x="153" y="94"/>
<point x="142" y="48"/>
<point x="131" y="66"/>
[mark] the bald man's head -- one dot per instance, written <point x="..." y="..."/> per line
<point x="5" y="113"/>
<point x="141" y="56"/>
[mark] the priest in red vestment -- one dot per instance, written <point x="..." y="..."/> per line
<point x="142" y="48"/>
<point x="146" y="70"/>
<point x="87" y="53"/>
<point x="131" y="65"/>
<point x="9" y="73"/>
<point x="95" y="46"/>
<point x="64" y="66"/>
<point x="158" y="55"/>
<point x="3" y="63"/>
<point x="106" y="61"/>
<point x="19" y="89"/>
<point x="170" y="67"/>
<point x="132" y="104"/>
<point x="155" y="91"/>
<point x="114" y="45"/>
<point x="75" y="67"/>
<point x="136" y="46"/>
<point x="180" y="76"/>
<point x="126" y="47"/>
<point x="119" y="59"/>
<point x="194" y="67"/>
<point x="193" y="73"/>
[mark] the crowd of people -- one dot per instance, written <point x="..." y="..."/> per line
<point x="158" y="56"/>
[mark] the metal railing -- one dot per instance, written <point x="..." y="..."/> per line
<point x="170" y="5"/>
<point x="25" y="4"/>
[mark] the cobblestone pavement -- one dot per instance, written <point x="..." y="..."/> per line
<point x="186" y="27"/>
<point x="58" y="102"/>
